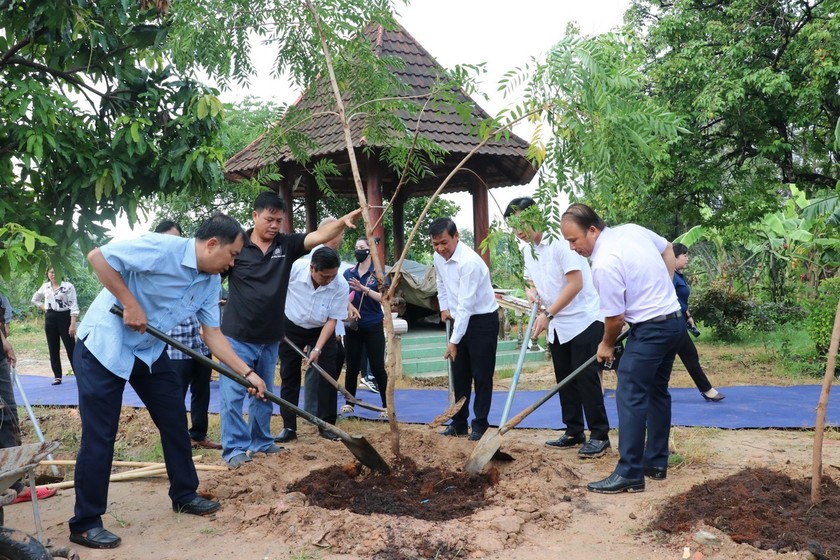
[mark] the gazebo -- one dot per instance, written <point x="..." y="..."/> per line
<point x="498" y="163"/>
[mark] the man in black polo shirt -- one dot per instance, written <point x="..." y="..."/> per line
<point x="253" y="319"/>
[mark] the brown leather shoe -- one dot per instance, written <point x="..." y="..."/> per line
<point x="206" y="444"/>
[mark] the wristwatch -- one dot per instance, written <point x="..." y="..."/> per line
<point x="549" y="315"/>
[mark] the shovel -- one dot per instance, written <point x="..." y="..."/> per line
<point x="358" y="445"/>
<point x="454" y="406"/>
<point x="499" y="454"/>
<point x="338" y="386"/>
<point x="491" y="441"/>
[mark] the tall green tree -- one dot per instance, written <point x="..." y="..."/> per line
<point x="94" y="119"/>
<point x="599" y="134"/>
<point x="757" y="81"/>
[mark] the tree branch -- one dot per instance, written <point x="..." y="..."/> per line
<point x="56" y="73"/>
<point x="15" y="48"/>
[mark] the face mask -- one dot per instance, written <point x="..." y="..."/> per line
<point x="362" y="254"/>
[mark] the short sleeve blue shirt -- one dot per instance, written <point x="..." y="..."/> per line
<point x="161" y="271"/>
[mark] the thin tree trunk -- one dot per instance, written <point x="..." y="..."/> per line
<point x="819" y="429"/>
<point x="377" y="264"/>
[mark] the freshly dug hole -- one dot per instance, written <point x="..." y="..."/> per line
<point x="430" y="493"/>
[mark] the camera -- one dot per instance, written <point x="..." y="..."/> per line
<point x="618" y="350"/>
<point x="693" y="330"/>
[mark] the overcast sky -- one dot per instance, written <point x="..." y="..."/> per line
<point x="503" y="34"/>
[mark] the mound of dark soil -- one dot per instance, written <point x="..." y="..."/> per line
<point x="430" y="493"/>
<point x="762" y="508"/>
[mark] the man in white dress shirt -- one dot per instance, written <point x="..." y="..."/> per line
<point x="316" y="300"/>
<point x="561" y="281"/>
<point x="466" y="296"/>
<point x="632" y="268"/>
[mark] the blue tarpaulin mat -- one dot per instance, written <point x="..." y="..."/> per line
<point x="744" y="406"/>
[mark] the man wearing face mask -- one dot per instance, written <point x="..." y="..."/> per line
<point x="315" y="302"/>
<point x="370" y="336"/>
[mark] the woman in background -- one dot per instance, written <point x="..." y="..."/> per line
<point x="370" y="336"/>
<point x="688" y="351"/>
<point x="58" y="301"/>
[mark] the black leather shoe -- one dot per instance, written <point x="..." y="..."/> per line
<point x="615" y="484"/>
<point x="328" y="435"/>
<point x="98" y="537"/>
<point x="594" y="448"/>
<point x="656" y="473"/>
<point x="567" y="441"/>
<point x="199" y="506"/>
<point x="453" y="431"/>
<point x="475" y="436"/>
<point x="285" y="436"/>
<point x="717" y="398"/>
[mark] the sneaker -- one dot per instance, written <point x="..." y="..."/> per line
<point x="370" y="383"/>
<point x="348" y="409"/>
<point x="383" y="415"/>
<point x="594" y="448"/>
<point x="237" y="460"/>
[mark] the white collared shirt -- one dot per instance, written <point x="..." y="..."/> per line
<point x="309" y="307"/>
<point x="630" y="275"/>
<point x="547" y="265"/>
<point x="464" y="288"/>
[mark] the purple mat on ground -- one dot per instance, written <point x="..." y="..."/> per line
<point x="744" y="407"/>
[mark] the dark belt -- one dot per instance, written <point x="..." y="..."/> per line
<point x="660" y="318"/>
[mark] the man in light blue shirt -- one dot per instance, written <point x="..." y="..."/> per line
<point x="158" y="280"/>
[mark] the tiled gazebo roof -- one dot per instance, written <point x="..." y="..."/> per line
<point x="499" y="162"/>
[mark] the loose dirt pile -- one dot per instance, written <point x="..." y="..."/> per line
<point x="762" y="508"/>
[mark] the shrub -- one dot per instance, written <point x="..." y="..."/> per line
<point x="768" y="316"/>
<point x="821" y="313"/>
<point x="721" y="308"/>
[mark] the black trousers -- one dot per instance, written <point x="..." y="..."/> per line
<point x="475" y="366"/>
<point x="100" y="400"/>
<point x="583" y="396"/>
<point x="57" y="328"/>
<point x="290" y="364"/>
<point x="691" y="360"/>
<point x="371" y="341"/>
<point x="195" y="378"/>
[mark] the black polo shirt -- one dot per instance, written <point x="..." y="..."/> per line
<point x="258" y="284"/>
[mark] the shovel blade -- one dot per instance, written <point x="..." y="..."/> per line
<point x="365" y="453"/>
<point x="484" y="451"/>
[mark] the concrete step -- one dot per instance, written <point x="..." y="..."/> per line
<point x="414" y="352"/>
<point x="436" y="366"/>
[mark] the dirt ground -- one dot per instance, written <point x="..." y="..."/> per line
<point x="534" y="507"/>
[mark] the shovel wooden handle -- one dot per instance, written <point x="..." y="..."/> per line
<point x="336" y="385"/>
<point x="513" y="422"/>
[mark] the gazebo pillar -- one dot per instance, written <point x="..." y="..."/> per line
<point x="481" y="216"/>
<point x="373" y="192"/>
<point x="398" y="218"/>
<point x="285" y="192"/>
<point x="310" y="201"/>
